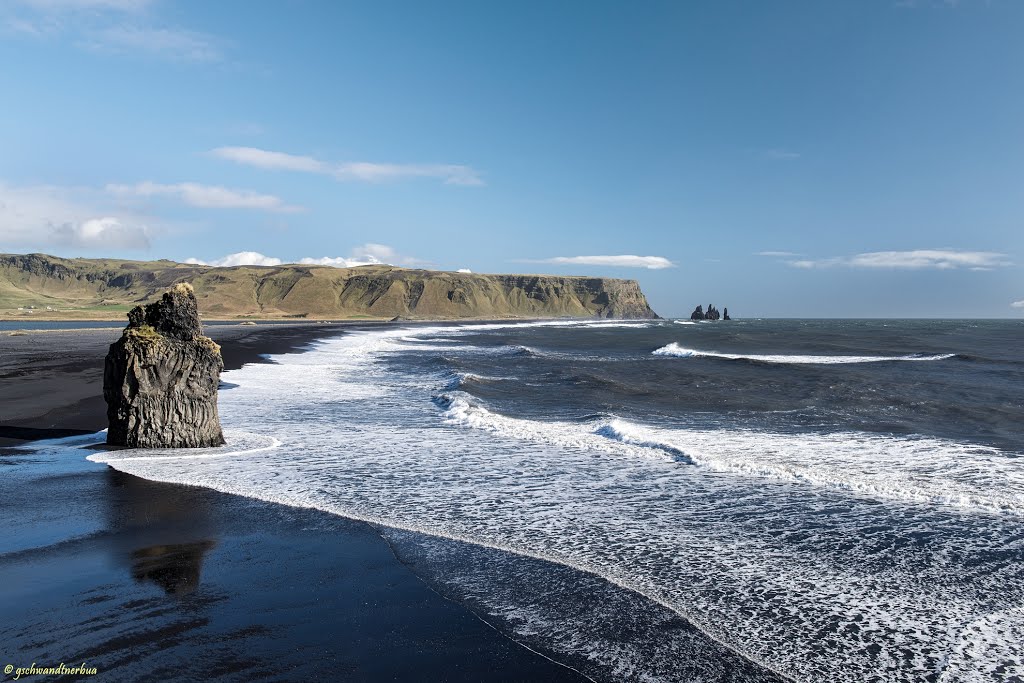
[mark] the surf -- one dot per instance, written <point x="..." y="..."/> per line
<point x="676" y="351"/>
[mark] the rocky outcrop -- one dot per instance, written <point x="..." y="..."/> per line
<point x="725" y="314"/>
<point x="711" y="314"/>
<point x="161" y="377"/>
<point x="84" y="287"/>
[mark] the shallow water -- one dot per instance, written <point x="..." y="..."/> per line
<point x="826" y="500"/>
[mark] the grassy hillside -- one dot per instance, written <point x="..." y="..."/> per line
<point x="107" y="288"/>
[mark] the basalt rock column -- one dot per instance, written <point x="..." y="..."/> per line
<point x="161" y="377"/>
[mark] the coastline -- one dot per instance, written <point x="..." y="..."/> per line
<point x="53" y="379"/>
<point x="140" y="578"/>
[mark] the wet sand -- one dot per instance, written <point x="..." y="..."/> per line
<point x="51" y="382"/>
<point x="150" y="581"/>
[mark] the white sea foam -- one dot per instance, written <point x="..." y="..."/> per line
<point x="822" y="556"/>
<point x="930" y="470"/>
<point x="677" y="351"/>
<point x="238" y="444"/>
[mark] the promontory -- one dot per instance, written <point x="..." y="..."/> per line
<point x="41" y="286"/>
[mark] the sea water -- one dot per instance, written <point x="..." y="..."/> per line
<point x="650" y="500"/>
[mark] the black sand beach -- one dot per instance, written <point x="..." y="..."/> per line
<point x="152" y="581"/>
<point x="53" y="379"/>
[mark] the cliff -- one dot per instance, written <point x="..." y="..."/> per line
<point x="107" y="288"/>
<point x="161" y="377"/>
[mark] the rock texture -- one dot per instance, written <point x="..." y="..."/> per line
<point x="161" y="377"/>
<point x="711" y="314"/>
<point x="98" y="287"/>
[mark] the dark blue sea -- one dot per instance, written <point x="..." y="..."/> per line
<point x="751" y="500"/>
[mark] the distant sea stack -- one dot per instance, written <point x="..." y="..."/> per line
<point x="161" y="377"/>
<point x="711" y="314"/>
<point x="77" y="288"/>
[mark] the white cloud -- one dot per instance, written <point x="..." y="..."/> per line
<point x="40" y="217"/>
<point x="380" y="253"/>
<point x="824" y="263"/>
<point x="207" y="196"/>
<point x="170" y="43"/>
<point x="929" y="258"/>
<point x="241" y="258"/>
<point x="111" y="26"/>
<point x="464" y="270"/>
<point x="107" y="232"/>
<point x="364" y="255"/>
<point x="918" y="259"/>
<point x="450" y="174"/>
<point x="621" y="261"/>
<point x="776" y="253"/>
<point x="261" y="158"/>
<point x="1018" y="304"/>
<point x="337" y="262"/>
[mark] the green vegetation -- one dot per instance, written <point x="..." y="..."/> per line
<point x="108" y="288"/>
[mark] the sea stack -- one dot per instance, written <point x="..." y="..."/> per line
<point x="161" y="377"/>
<point x="711" y="314"/>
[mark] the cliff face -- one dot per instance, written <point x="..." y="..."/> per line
<point x="311" y="291"/>
<point x="161" y="377"/>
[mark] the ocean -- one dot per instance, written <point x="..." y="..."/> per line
<point x="754" y="500"/>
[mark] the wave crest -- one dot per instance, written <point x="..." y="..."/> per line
<point x="676" y="351"/>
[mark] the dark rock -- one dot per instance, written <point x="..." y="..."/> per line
<point x="725" y="314"/>
<point x="161" y="377"/>
<point x="711" y="314"/>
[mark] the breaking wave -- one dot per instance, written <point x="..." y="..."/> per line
<point x="677" y="351"/>
<point x="932" y="471"/>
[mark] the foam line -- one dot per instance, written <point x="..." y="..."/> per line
<point x="676" y="351"/>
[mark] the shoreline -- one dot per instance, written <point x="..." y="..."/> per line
<point x="117" y="574"/>
<point x="53" y="379"/>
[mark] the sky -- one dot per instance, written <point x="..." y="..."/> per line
<point x="855" y="158"/>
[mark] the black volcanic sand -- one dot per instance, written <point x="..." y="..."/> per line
<point x="51" y="382"/>
<point x="151" y="581"/>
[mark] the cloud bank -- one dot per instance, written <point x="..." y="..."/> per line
<point x="206" y="196"/>
<point x="364" y="255"/>
<point x="364" y="171"/>
<point x="619" y="261"/>
<point x="1018" y="304"/>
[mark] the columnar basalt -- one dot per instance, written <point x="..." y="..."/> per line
<point x="161" y="377"/>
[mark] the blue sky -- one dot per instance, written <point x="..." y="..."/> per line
<point x="860" y="158"/>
